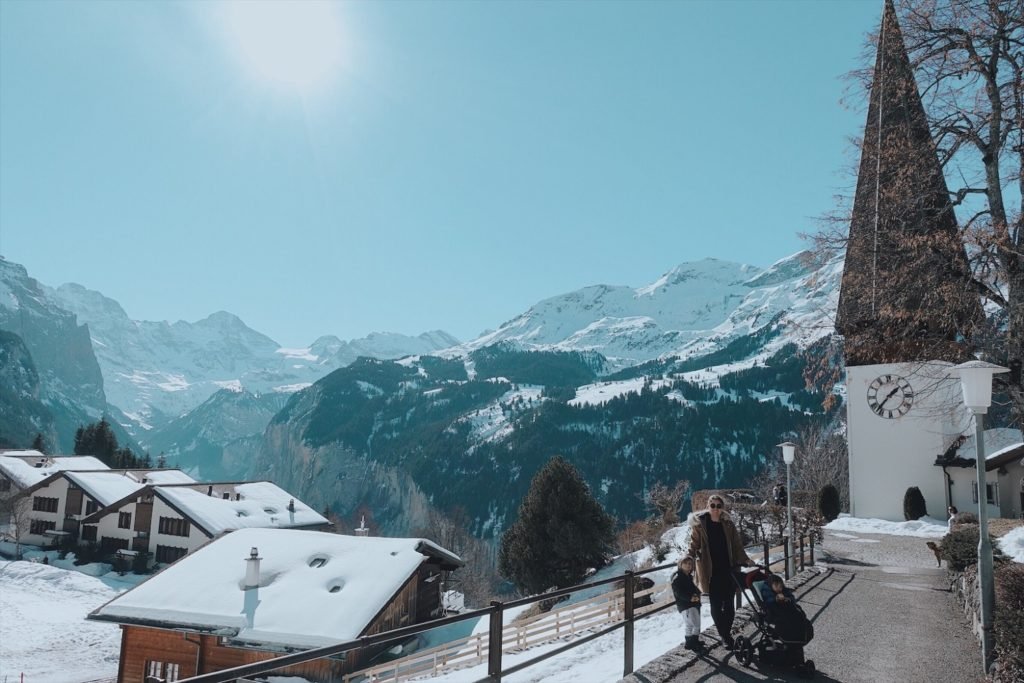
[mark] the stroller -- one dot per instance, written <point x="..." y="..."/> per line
<point x="782" y="629"/>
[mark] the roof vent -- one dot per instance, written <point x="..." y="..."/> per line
<point x="252" y="569"/>
<point x="209" y="490"/>
<point x="41" y="462"/>
<point x="291" y="505"/>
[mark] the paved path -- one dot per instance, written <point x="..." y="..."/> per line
<point x="882" y="612"/>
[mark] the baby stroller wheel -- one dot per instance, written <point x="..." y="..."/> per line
<point x="744" y="650"/>
<point x="808" y="669"/>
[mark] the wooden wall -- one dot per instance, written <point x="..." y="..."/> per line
<point x="197" y="654"/>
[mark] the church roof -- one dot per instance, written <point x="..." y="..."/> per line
<point x="906" y="292"/>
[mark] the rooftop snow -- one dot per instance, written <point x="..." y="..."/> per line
<point x="356" y="578"/>
<point x="107" y="488"/>
<point x="22" y="471"/>
<point x="997" y="442"/>
<point x="262" y="504"/>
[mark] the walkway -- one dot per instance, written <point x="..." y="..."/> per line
<point x="882" y="612"/>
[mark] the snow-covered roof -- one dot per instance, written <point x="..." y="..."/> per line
<point x="344" y="581"/>
<point x="106" y="488"/>
<point x="248" y="504"/>
<point x="999" y="443"/>
<point x="22" y="470"/>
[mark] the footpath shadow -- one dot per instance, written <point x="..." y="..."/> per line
<point x="839" y="560"/>
<point x="730" y="669"/>
<point x="802" y="599"/>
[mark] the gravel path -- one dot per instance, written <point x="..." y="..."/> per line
<point x="882" y="611"/>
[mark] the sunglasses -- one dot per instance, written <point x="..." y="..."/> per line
<point x="716" y="506"/>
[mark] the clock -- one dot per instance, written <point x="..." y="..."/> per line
<point x="890" y="396"/>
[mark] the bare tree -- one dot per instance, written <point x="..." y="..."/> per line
<point x="822" y="459"/>
<point x="15" y="519"/>
<point x="666" y="502"/>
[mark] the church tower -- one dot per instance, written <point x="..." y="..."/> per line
<point x="906" y="307"/>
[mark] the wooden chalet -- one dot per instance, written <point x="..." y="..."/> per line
<point x="255" y="594"/>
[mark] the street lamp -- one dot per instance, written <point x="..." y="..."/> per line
<point x="976" y="382"/>
<point x="788" y="455"/>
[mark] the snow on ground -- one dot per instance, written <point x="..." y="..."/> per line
<point x="926" y="527"/>
<point x="43" y="632"/>
<point x="1012" y="544"/>
<point x="491" y="423"/>
<point x="602" y="392"/>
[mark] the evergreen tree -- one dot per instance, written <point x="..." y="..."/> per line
<point x="913" y="504"/>
<point x="828" y="502"/>
<point x="39" y="444"/>
<point x="99" y="440"/>
<point x="561" y="532"/>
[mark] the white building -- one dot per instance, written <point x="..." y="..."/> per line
<point x="170" y="521"/>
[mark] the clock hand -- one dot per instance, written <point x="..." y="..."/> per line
<point x="888" y="396"/>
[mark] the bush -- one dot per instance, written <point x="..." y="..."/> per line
<point x="828" y="502"/>
<point x="140" y="562"/>
<point x="965" y="518"/>
<point x="1009" y="623"/>
<point x="960" y="547"/>
<point x="913" y="504"/>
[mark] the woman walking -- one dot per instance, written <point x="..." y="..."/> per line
<point x="716" y="544"/>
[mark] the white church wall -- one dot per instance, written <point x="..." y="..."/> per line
<point x="897" y="450"/>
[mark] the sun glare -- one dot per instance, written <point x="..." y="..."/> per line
<point x="291" y="45"/>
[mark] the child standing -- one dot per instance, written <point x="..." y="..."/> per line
<point x="687" y="597"/>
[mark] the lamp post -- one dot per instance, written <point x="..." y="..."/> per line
<point x="976" y="382"/>
<point x="788" y="455"/>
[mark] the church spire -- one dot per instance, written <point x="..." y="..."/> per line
<point x="905" y="292"/>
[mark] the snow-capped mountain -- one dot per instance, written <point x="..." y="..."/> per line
<point x="692" y="309"/>
<point x="157" y="371"/>
<point x="70" y="384"/>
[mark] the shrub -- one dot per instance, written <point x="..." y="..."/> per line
<point x="965" y="518"/>
<point x="140" y="562"/>
<point x="913" y="504"/>
<point x="960" y="547"/>
<point x="1009" y="623"/>
<point x="828" y="502"/>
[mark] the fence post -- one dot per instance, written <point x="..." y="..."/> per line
<point x="785" y="554"/>
<point x="628" y="626"/>
<point x="494" y="643"/>
<point x="812" y="550"/>
<point x="801" y="552"/>
<point x="767" y="555"/>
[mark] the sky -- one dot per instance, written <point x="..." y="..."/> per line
<point x="343" y="168"/>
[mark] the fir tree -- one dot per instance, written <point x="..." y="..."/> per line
<point x="562" y="531"/>
<point x="39" y="444"/>
<point x="913" y="504"/>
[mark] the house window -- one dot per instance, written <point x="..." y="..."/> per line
<point x="124" y="520"/>
<point x="91" y="506"/>
<point x="165" y="554"/>
<point x="991" y="492"/>
<point x="173" y="526"/>
<point x="41" y="504"/>
<point x="165" y="671"/>
<point x="88" y="532"/>
<point x="110" y="544"/>
<point x="41" y="526"/>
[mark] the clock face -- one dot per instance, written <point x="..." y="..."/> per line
<point x="890" y="396"/>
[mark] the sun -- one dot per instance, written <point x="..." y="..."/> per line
<point x="290" y="45"/>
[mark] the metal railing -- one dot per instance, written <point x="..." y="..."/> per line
<point x="495" y="636"/>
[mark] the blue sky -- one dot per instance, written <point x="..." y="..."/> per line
<point x="404" y="166"/>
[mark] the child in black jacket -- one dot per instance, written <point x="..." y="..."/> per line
<point x="687" y="597"/>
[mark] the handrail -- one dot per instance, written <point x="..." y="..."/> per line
<point x="495" y="608"/>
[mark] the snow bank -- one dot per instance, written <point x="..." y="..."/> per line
<point x="1012" y="544"/>
<point x="43" y="632"/>
<point x="926" y="527"/>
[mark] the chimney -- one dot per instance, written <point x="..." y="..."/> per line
<point x="252" y="569"/>
<point x="42" y="461"/>
<point x="238" y="496"/>
<point x="362" y="530"/>
<point x="291" y="505"/>
<point x="209" y="490"/>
